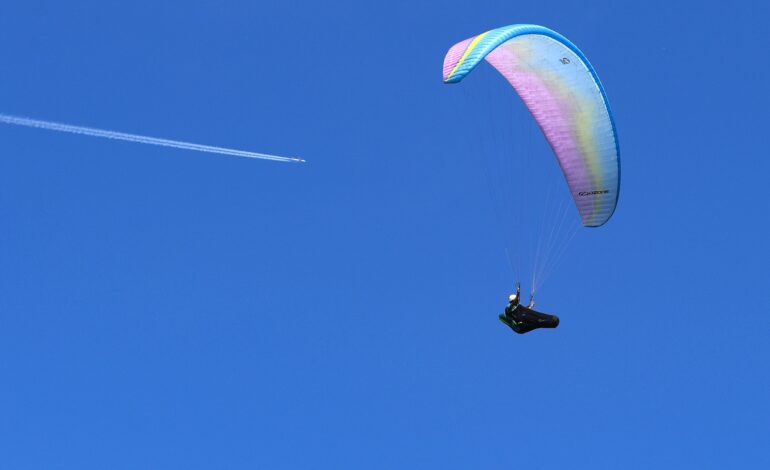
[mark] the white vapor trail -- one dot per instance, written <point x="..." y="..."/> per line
<point x="140" y="139"/>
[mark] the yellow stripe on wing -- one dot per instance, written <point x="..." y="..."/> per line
<point x="465" y="54"/>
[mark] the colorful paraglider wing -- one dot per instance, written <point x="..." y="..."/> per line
<point x="563" y="93"/>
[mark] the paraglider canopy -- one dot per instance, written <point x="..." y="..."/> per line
<point x="562" y="91"/>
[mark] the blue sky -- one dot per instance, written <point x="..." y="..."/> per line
<point x="166" y="309"/>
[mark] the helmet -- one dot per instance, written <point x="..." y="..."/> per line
<point x="512" y="298"/>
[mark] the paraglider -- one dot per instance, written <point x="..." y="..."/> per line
<point x="525" y="319"/>
<point x="563" y="93"/>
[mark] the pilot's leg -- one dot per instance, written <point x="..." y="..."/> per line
<point x="542" y="320"/>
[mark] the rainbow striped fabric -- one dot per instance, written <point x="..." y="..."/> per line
<point x="566" y="98"/>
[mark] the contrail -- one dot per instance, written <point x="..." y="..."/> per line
<point x="140" y="139"/>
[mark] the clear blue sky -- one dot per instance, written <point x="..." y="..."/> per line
<point x="166" y="309"/>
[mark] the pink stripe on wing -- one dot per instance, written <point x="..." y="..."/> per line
<point x="552" y="114"/>
<point x="454" y="55"/>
